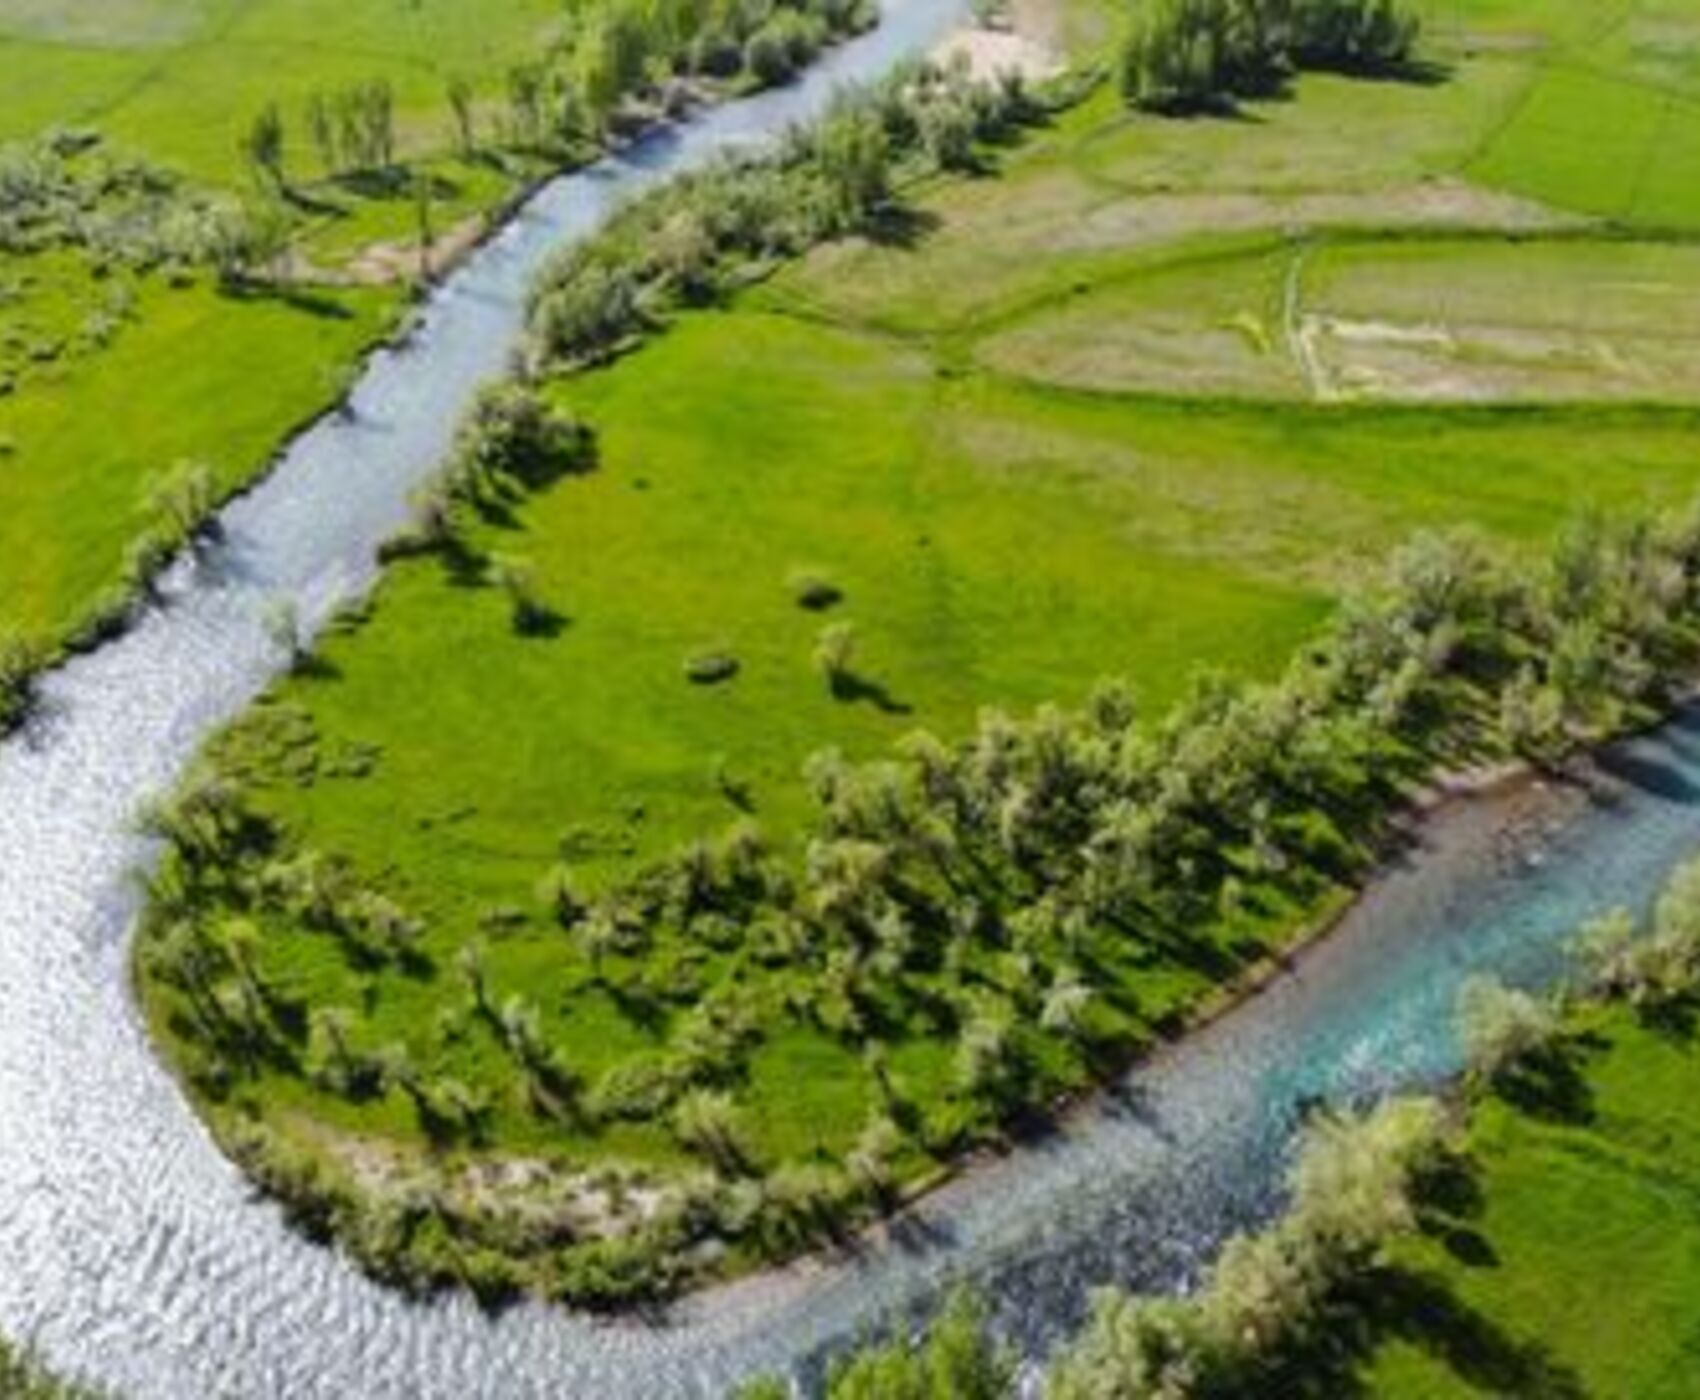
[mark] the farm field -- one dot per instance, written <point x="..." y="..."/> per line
<point x="1144" y="401"/>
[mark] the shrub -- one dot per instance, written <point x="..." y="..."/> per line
<point x="767" y="57"/>
<point x="517" y="577"/>
<point x="1501" y="1028"/>
<point x="955" y="1360"/>
<point x="711" y="667"/>
<point x="512" y="431"/>
<point x="813" y="590"/>
<point x="835" y="654"/>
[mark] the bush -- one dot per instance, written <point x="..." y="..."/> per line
<point x="512" y="432"/>
<point x="711" y="667"/>
<point x="767" y="57"/>
<point x="813" y="590"/>
<point x="835" y="654"/>
<point x="1501" y="1028"/>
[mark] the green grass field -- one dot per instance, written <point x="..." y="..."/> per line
<point x="111" y="378"/>
<point x="189" y="374"/>
<point x="117" y="365"/>
<point x="179" y="79"/>
<point x="1576" y="1269"/>
<point x="1062" y="434"/>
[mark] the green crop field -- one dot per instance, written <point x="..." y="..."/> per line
<point x="1143" y="401"/>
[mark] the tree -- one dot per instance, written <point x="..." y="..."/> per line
<point x="461" y="105"/>
<point x="283" y="627"/>
<point x="513" y="436"/>
<point x="835" y="652"/>
<point x="707" y="1122"/>
<point x="525" y="102"/>
<point x="853" y="156"/>
<point x="322" y="128"/>
<point x="1066" y="1003"/>
<point x="470" y="965"/>
<point x="955" y="1359"/>
<point x="263" y="145"/>
<point x="516" y="576"/>
<point x="1501" y="1027"/>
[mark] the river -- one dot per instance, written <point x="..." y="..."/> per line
<point x="132" y="1254"/>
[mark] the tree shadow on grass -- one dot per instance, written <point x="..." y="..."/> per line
<point x="1549" y="1085"/>
<point x="297" y="298"/>
<point x="901" y="226"/>
<point x="853" y="689"/>
<point x="1394" y="1303"/>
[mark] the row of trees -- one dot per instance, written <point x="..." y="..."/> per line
<point x="566" y="99"/>
<point x="682" y="242"/>
<point x="1187" y="55"/>
<point x="352" y="129"/>
<point x="1354" y="1187"/>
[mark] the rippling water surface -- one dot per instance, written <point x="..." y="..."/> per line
<point x="131" y="1252"/>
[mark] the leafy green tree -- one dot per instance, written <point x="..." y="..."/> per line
<point x="461" y="105"/>
<point x="954" y="1360"/>
<point x="263" y="145"/>
<point x="321" y="127"/>
<point x="1501" y="1027"/>
<point x="835" y="655"/>
<point x="707" y="1121"/>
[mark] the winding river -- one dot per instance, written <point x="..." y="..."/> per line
<point x="133" y="1255"/>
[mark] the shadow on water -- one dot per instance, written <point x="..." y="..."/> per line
<point x="1657" y="777"/>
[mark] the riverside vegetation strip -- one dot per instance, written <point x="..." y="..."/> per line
<point x="209" y="212"/>
<point x="1542" y="1243"/>
<point x="518" y="1039"/>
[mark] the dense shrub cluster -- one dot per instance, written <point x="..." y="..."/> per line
<point x="1185" y="55"/>
<point x="68" y="190"/>
<point x="1654" y="968"/>
<point x="989" y="893"/>
<point x="686" y="240"/>
<point x="511" y="442"/>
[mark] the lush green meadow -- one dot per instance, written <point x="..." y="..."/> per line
<point x="115" y="370"/>
<point x="1130" y="403"/>
<point x="210" y="209"/>
<point x="189" y="374"/>
<point x="1572" y="1267"/>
